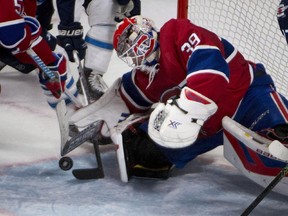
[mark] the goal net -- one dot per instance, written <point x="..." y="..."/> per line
<point x="252" y="27"/>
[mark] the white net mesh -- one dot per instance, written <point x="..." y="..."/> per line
<point x="252" y="26"/>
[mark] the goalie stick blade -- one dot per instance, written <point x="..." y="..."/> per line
<point x="92" y="173"/>
<point x="86" y="174"/>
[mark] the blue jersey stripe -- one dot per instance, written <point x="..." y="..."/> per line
<point x="133" y="92"/>
<point x="207" y="58"/>
<point x="12" y="33"/>
<point x="98" y="43"/>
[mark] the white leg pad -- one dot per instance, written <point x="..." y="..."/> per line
<point x="256" y="157"/>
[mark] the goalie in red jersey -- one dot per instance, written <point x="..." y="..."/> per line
<point x="192" y="79"/>
<point x="20" y="31"/>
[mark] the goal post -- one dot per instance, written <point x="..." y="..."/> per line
<point x="251" y="25"/>
<point x="182" y="9"/>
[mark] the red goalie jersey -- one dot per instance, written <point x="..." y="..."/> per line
<point x="193" y="56"/>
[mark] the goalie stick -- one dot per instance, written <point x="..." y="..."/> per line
<point x="278" y="150"/>
<point x="82" y="80"/>
<point x="87" y="135"/>
<point x="91" y="173"/>
<point x="266" y="191"/>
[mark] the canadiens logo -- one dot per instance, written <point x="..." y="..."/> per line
<point x="281" y="10"/>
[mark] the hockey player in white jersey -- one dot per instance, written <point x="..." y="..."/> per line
<point x="97" y="47"/>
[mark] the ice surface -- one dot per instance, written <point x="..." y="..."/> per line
<point x="31" y="183"/>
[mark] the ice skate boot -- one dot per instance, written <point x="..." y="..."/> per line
<point x="95" y="87"/>
<point x="279" y="132"/>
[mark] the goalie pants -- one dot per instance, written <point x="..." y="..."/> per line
<point x="261" y="108"/>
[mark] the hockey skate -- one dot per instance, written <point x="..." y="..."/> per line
<point x="279" y="132"/>
<point x="95" y="87"/>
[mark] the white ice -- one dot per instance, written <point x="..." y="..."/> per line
<point x="32" y="184"/>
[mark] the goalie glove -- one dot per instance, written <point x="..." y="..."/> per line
<point x="177" y="124"/>
<point x="132" y="8"/>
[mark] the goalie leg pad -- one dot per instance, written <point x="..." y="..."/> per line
<point x="252" y="155"/>
<point x="143" y="157"/>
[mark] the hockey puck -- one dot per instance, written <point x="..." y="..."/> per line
<point x="65" y="163"/>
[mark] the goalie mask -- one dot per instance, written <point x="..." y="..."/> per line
<point x="135" y="41"/>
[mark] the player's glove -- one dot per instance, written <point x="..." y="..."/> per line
<point x="71" y="38"/>
<point x="59" y="68"/>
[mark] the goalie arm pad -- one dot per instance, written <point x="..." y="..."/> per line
<point x="177" y="124"/>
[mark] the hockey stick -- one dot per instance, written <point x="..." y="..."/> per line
<point x="81" y="137"/>
<point x="88" y="134"/>
<point x="51" y="75"/>
<point x="82" y="80"/>
<point x="267" y="190"/>
<point x="63" y="123"/>
<point x="278" y="150"/>
<point x="91" y="173"/>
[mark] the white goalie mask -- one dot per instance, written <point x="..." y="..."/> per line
<point x="135" y="41"/>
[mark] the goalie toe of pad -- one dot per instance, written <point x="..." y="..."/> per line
<point x="128" y="138"/>
<point x="139" y="171"/>
<point x="250" y="153"/>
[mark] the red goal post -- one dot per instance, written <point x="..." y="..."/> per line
<point x="251" y="25"/>
<point x="182" y="9"/>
